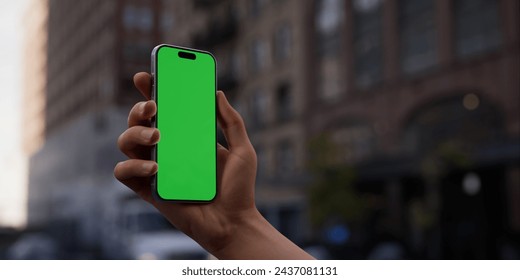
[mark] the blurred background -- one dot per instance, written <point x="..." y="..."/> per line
<point x="385" y="129"/>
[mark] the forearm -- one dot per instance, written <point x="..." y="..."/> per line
<point x="256" y="238"/>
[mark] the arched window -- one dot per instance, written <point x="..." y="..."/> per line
<point x="465" y="120"/>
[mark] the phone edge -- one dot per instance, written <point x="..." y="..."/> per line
<point x="154" y="190"/>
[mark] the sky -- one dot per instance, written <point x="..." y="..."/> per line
<point x="13" y="164"/>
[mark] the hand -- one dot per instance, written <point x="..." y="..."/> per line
<point x="231" y="219"/>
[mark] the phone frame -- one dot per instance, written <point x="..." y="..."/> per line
<point x="154" y="122"/>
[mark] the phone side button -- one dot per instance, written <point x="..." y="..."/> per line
<point x="153" y="86"/>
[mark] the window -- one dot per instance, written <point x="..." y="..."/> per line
<point x="282" y="43"/>
<point x="418" y="42"/>
<point x="329" y="17"/>
<point x="367" y="42"/>
<point x="283" y="102"/>
<point x="329" y="23"/>
<point x="259" y="109"/>
<point x="451" y="123"/>
<point x="258" y="55"/>
<point x="130" y="17"/>
<point x="476" y="26"/>
<point x="139" y="18"/>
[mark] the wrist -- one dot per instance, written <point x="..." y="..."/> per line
<point x="238" y="231"/>
<point x="230" y="230"/>
<point x="255" y="238"/>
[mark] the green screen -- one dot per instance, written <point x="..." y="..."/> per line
<point x="186" y="152"/>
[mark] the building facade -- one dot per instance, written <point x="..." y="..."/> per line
<point x="93" y="50"/>
<point x="396" y="87"/>
<point x="426" y="114"/>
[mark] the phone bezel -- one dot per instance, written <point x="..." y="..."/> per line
<point x="154" y="156"/>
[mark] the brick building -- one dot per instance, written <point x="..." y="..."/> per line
<point x="426" y="113"/>
<point x="403" y="90"/>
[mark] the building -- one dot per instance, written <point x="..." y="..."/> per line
<point x="395" y="87"/>
<point x="32" y="47"/>
<point x="93" y="50"/>
<point x="35" y="55"/>
<point x="421" y="99"/>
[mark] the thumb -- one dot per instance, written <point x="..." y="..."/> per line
<point x="231" y="123"/>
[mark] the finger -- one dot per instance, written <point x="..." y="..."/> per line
<point x="141" y="113"/>
<point x="134" y="168"/>
<point x="135" y="174"/>
<point x="231" y="123"/>
<point x="143" y="82"/>
<point x="136" y="137"/>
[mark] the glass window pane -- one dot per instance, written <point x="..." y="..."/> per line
<point x="418" y="35"/>
<point x="476" y="26"/>
<point x="283" y="99"/>
<point x="329" y="17"/>
<point x="367" y="41"/>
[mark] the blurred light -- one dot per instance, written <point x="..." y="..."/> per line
<point x="148" y="256"/>
<point x="338" y="234"/>
<point x="471" y="184"/>
<point x="471" y="101"/>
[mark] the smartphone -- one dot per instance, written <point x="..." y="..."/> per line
<point x="184" y="89"/>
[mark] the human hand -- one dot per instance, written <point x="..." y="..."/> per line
<point x="231" y="221"/>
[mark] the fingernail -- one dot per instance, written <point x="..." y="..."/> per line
<point x="147" y="134"/>
<point x="142" y="107"/>
<point x="148" y="167"/>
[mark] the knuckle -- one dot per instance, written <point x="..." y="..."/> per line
<point x="136" y="106"/>
<point x="134" y="114"/>
<point x="236" y="121"/>
<point x="121" y="140"/>
<point x="118" y="170"/>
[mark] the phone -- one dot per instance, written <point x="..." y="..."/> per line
<point x="184" y="89"/>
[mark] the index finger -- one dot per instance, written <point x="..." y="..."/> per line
<point x="143" y="82"/>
